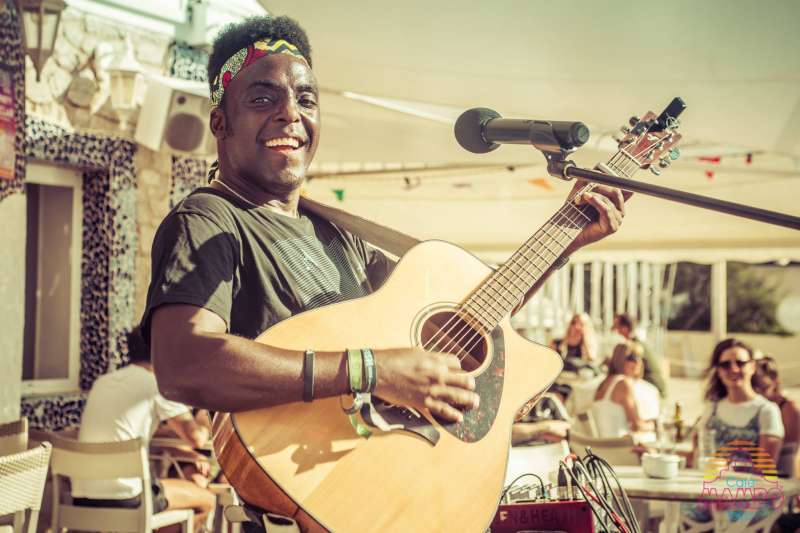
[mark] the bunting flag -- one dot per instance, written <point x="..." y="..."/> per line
<point x="710" y="174"/>
<point x="339" y="194"/>
<point x="749" y="159"/>
<point x="544" y="183"/>
<point x="714" y="160"/>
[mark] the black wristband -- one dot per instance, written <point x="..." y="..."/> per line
<point x="308" y="376"/>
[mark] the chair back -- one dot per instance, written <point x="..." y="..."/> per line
<point x="14" y="436"/>
<point x="617" y="451"/>
<point x="584" y="424"/>
<point x="96" y="461"/>
<point x="22" y="479"/>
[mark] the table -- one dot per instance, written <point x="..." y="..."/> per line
<point x="688" y="487"/>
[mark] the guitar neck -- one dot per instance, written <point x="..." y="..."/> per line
<point x="502" y="291"/>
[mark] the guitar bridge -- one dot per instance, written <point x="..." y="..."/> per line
<point x="390" y="417"/>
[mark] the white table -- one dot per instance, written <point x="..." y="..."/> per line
<point x="688" y="487"/>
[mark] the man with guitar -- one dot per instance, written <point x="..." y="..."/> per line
<point x="239" y="256"/>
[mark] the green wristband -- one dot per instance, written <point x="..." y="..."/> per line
<point x="369" y="370"/>
<point x="355" y="370"/>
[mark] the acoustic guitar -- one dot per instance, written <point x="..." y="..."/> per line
<point x="415" y="472"/>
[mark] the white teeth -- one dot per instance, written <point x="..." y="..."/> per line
<point x="283" y="141"/>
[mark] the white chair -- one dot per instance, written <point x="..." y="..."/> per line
<point x="22" y="477"/>
<point x="14" y="436"/>
<point x="617" y="451"/>
<point x="107" y="460"/>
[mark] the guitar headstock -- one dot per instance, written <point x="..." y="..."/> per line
<point x="650" y="141"/>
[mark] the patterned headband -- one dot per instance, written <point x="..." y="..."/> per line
<point x="246" y="57"/>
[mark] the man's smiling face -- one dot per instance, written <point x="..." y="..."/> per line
<point x="271" y="118"/>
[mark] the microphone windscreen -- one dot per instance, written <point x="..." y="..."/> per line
<point x="469" y="130"/>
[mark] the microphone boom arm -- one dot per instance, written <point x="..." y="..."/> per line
<point x="568" y="170"/>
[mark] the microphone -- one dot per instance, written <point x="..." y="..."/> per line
<point x="481" y="130"/>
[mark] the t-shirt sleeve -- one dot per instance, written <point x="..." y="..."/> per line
<point x="378" y="266"/>
<point x="193" y="263"/>
<point x="167" y="409"/>
<point x="770" y="421"/>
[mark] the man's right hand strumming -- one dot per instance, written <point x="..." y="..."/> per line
<point x="421" y="379"/>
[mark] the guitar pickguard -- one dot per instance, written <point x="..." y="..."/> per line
<point x="477" y="422"/>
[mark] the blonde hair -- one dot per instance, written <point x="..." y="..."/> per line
<point x="589" y="342"/>
<point x="620" y="356"/>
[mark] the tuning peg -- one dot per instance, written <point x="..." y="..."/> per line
<point x="674" y="154"/>
<point x="655" y="170"/>
<point x="634" y="120"/>
<point x="664" y="162"/>
<point x="625" y="129"/>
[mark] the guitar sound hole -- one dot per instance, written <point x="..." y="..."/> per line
<point x="448" y="332"/>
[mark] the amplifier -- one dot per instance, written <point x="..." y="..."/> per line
<point x="519" y="517"/>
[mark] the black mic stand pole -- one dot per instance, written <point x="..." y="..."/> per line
<point x="683" y="197"/>
<point x="543" y="138"/>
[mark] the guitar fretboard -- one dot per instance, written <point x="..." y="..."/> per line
<point x="503" y="290"/>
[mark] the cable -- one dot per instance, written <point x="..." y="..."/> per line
<point x="510" y="485"/>
<point x="599" y="465"/>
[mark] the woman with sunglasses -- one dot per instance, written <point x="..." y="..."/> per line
<point x="734" y="410"/>
<point x="767" y="383"/>
<point x="616" y="408"/>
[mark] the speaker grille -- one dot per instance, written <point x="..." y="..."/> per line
<point x="184" y="132"/>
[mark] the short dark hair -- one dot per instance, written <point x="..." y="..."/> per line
<point x="716" y="389"/>
<point x="238" y="35"/>
<point x="138" y="349"/>
<point x="624" y="320"/>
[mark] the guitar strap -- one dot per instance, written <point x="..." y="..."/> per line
<point x="388" y="239"/>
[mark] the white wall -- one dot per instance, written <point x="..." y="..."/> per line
<point x="12" y="308"/>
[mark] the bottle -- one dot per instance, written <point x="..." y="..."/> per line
<point x="677" y="421"/>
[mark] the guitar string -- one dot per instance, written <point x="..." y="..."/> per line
<point x="631" y="162"/>
<point x="540" y="237"/>
<point x="555" y="221"/>
<point x="476" y="335"/>
<point x="628" y="161"/>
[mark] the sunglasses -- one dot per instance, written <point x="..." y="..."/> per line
<point x="727" y="365"/>
<point x="632" y="357"/>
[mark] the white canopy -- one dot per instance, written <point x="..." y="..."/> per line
<point x="396" y="74"/>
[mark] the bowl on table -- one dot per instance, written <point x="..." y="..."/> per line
<point x="661" y="465"/>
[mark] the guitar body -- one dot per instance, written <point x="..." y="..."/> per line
<point x="305" y="459"/>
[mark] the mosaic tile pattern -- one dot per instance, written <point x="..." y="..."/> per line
<point x="110" y="239"/>
<point x="187" y="63"/>
<point x="55" y="412"/>
<point x="187" y="175"/>
<point x="13" y="59"/>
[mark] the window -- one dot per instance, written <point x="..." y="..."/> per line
<point x="763" y="298"/>
<point x="51" y="345"/>
<point x="690" y="306"/>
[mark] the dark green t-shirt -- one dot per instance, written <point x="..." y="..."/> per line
<point x="254" y="267"/>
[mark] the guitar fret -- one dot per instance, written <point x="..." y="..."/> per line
<point x="509" y="284"/>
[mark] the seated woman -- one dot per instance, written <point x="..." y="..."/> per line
<point x="734" y="411"/>
<point x="767" y="383"/>
<point x="615" y="410"/>
<point x="579" y="344"/>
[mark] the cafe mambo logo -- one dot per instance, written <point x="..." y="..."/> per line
<point x="742" y="475"/>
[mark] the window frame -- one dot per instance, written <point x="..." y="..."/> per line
<point x="53" y="175"/>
